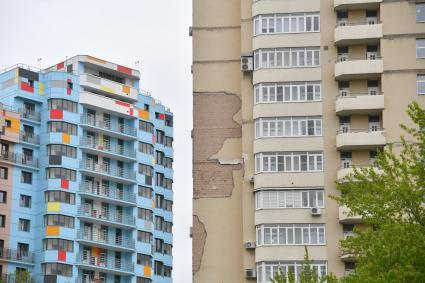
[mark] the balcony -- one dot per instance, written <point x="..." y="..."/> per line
<point x="109" y="88"/>
<point x="356" y="4"/>
<point x="359" y="68"/>
<point x="19" y="159"/>
<point x="29" y="138"/>
<point x="345" y="219"/>
<point x="359" y="104"/>
<point x="112" y="173"/>
<point x="103" y="103"/>
<point x="118" y="152"/>
<point x="109" y="218"/>
<point x="107" y="265"/>
<point x="30" y="115"/>
<point x="344" y="171"/>
<point x="347" y="257"/>
<point x="104" y="240"/>
<point x="106" y="127"/>
<point x="358" y="33"/>
<point x="112" y="195"/>
<point x="16" y="256"/>
<point x="360" y="139"/>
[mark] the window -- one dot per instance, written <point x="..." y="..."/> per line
<point x="59" y="196"/>
<point x="266" y="270"/>
<point x="168" y="120"/>
<point x="57" y="269"/>
<point x="66" y="105"/>
<point x="168" y="141"/>
<point x="62" y="127"/>
<point x="145" y="170"/>
<point x="60" y="173"/>
<point x="289" y="162"/>
<point x="158" y="268"/>
<point x="162" y="225"/>
<point x="168" y="249"/>
<point x="62" y="150"/>
<point x="160" y="137"/>
<point x="24" y="225"/>
<point x="143" y="280"/>
<point x="286" y="23"/>
<point x="291" y="234"/>
<point x="287" y="57"/>
<point x="146" y="148"/>
<point x="420" y="48"/>
<point x="145" y="192"/>
<point x="25" y="201"/>
<point x="288" y="127"/>
<point x="160" y="158"/>
<point x="144" y="237"/>
<point x="26" y="177"/>
<point x="8" y="123"/>
<point x="167" y="271"/>
<point x="300" y="198"/>
<point x="420" y="83"/>
<point x="58" y="244"/>
<point x="420" y="12"/>
<point x="3" y="197"/>
<point x="144" y="260"/>
<point x="288" y="92"/>
<point x="145" y="214"/>
<point x="145" y="126"/>
<point x="2" y="220"/>
<point x="59" y="220"/>
<point x="4" y="173"/>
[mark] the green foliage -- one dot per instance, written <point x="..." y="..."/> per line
<point x="390" y="198"/>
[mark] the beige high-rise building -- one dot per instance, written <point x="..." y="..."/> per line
<point x="288" y="96"/>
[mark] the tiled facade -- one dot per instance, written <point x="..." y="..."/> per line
<point x="86" y="175"/>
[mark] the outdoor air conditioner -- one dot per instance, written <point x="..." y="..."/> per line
<point x="247" y="63"/>
<point x="250" y="273"/>
<point x="315" y="211"/>
<point x="249" y="245"/>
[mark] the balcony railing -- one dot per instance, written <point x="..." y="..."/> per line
<point x="29" y="138"/>
<point x="113" y="171"/>
<point x="19" y="158"/>
<point x="103" y="237"/>
<point x="107" y="192"/>
<point x="106" y="146"/>
<point x="349" y="130"/>
<point x="7" y="254"/>
<point x="116" y="218"/>
<point x="112" y="264"/>
<point x="30" y="115"/>
<point x="107" y="125"/>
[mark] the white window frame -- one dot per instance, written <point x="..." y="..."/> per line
<point x="420" y="80"/>
<point x="290" y="162"/>
<point x="270" y="23"/>
<point x="280" y="234"/>
<point x="278" y="198"/>
<point x="289" y="92"/>
<point x="422" y="47"/>
<point x="263" y="57"/>
<point x="275" y="127"/>
<point x="266" y="270"/>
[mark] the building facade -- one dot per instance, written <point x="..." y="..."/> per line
<point x="86" y="175"/>
<point x="288" y="96"/>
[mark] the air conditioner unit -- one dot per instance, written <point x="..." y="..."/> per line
<point x="250" y="274"/>
<point x="315" y="211"/>
<point x="247" y="63"/>
<point x="249" y="245"/>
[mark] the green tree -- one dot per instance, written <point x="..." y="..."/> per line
<point x="390" y="198"/>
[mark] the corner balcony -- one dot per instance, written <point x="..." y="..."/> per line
<point x="31" y="139"/>
<point x="359" y="104"/>
<point x="102" y="240"/>
<point x="345" y="219"/>
<point x="15" y="256"/>
<point x="19" y="159"/>
<point x="103" y="103"/>
<point x="359" y="68"/>
<point x="109" y="88"/>
<point x="112" y="173"/>
<point x="30" y="115"/>
<point x="107" y="194"/>
<point x="356" y="4"/>
<point x="107" y="265"/>
<point x="360" y="139"/>
<point x="117" y="152"/>
<point x="125" y="131"/>
<point x="109" y="219"/>
<point x="358" y="33"/>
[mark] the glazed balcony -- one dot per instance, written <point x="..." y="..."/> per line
<point x="356" y="4"/>
<point x="29" y="138"/>
<point x="358" y="68"/>
<point x="106" y="240"/>
<point x="108" y="265"/>
<point x="109" y="194"/>
<point x="109" y="172"/>
<point x="111" y="219"/>
<point x="118" y="152"/>
<point x="344" y="218"/>
<point x="30" y="115"/>
<point x="103" y="103"/>
<point x="19" y="159"/>
<point x="358" y="33"/>
<point x="359" y="104"/>
<point x="16" y="256"/>
<point x="109" y="88"/>
<point x="360" y="139"/>
<point x="106" y="127"/>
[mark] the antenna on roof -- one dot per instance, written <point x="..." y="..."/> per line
<point x="39" y="62"/>
<point x="137" y="65"/>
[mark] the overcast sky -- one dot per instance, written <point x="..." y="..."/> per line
<point x="154" y="32"/>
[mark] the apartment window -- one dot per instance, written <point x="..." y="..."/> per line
<point x="59" y="196"/>
<point x="420" y="83"/>
<point x="289" y="162"/>
<point x="143" y="280"/>
<point x="3" y="196"/>
<point x="168" y="249"/>
<point x="62" y="150"/>
<point x="158" y="268"/>
<point x="62" y="104"/>
<point x="168" y="183"/>
<point x="146" y="148"/>
<point x="168" y="141"/>
<point x="144" y="237"/>
<point x="159" y="179"/>
<point x="145" y="126"/>
<point x="291" y="234"/>
<point x="288" y="127"/>
<point x="160" y="158"/>
<point x="57" y="269"/>
<point x="26" y="177"/>
<point x="167" y="205"/>
<point x="145" y="170"/>
<point x="60" y="173"/>
<point x="266" y="270"/>
<point x="25" y="201"/>
<point x="62" y="127"/>
<point x="59" y="220"/>
<point x="168" y="120"/>
<point x="2" y="220"/>
<point x="145" y="214"/>
<point x="162" y="225"/>
<point x="288" y="92"/>
<point x="287" y="57"/>
<point x="167" y="271"/>
<point x="58" y="245"/>
<point x="145" y="192"/>
<point x="4" y="173"/>
<point x="420" y="12"/>
<point x="286" y="23"/>
<point x="160" y="137"/>
<point x="146" y="107"/>
<point x="300" y="198"/>
<point x="144" y="260"/>
<point x="8" y="123"/>
<point x="24" y="225"/>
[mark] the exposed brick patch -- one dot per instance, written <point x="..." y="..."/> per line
<point x="199" y="236"/>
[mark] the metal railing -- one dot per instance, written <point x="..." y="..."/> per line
<point x="107" y="125"/>
<point x="106" y="146"/>
<point x="358" y="23"/>
<point x="357" y="94"/>
<point x="29" y="138"/>
<point x="16" y="255"/>
<point x="110" y="263"/>
<point x="19" y="158"/>
<point x="30" y="115"/>
<point x="107" y="216"/>
<point x="368" y="130"/>
<point x="342" y="57"/>
<point x="106" y="191"/>
<point x="114" y="171"/>
<point x="104" y="237"/>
